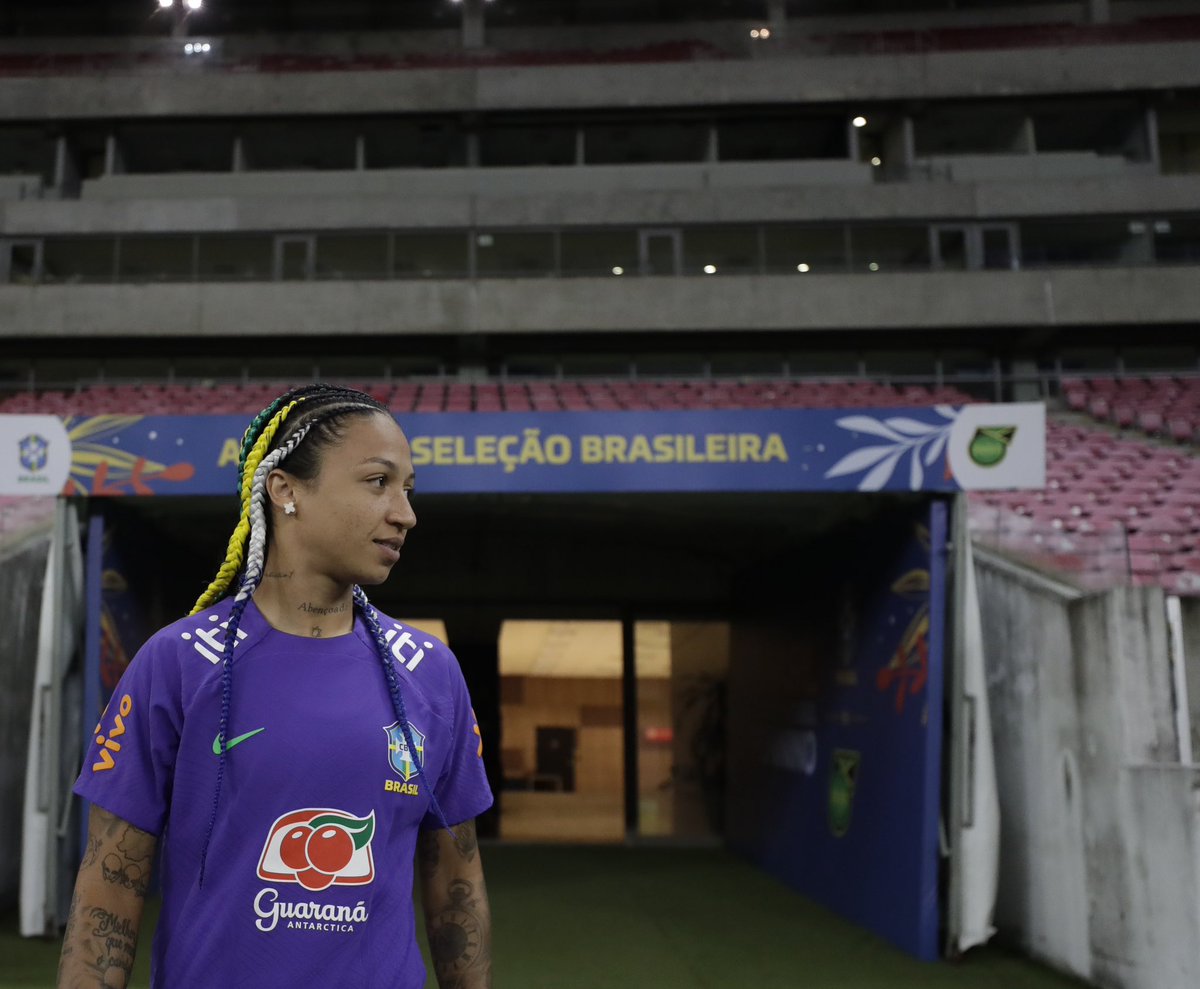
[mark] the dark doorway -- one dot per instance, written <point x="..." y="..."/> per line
<point x="556" y="758"/>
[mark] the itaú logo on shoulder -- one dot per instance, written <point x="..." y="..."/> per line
<point x="319" y="847"/>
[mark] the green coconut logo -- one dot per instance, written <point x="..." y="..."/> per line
<point x="843" y="778"/>
<point x="990" y="444"/>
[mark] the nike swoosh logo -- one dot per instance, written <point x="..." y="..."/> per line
<point x="233" y="741"/>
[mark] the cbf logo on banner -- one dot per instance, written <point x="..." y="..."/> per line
<point x="35" y="455"/>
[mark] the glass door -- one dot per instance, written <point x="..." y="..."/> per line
<point x="562" y="731"/>
<point x="295" y="258"/>
<point x="682" y="672"/>
<point x="949" y="247"/>
<point x="660" y="252"/>
<point x="999" y="246"/>
<point x="20" y="262"/>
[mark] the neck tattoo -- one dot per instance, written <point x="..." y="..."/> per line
<point x="314" y="609"/>
<point x="316" y="631"/>
<point x="280" y="575"/>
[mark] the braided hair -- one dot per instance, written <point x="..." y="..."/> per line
<point x="315" y="413"/>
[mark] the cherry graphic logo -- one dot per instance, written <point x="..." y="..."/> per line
<point x="319" y="847"/>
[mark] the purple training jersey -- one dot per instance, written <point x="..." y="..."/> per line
<point x="310" y="869"/>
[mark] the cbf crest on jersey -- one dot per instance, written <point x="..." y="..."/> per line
<point x="398" y="755"/>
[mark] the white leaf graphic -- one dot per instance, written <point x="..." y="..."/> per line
<point x="935" y="448"/>
<point x="910" y="427"/>
<point x="946" y="411"/>
<point x="881" y="472"/>
<point x="915" y="475"/>
<point x="859" y="459"/>
<point x="865" y="424"/>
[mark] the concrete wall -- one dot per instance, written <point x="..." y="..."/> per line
<point x="190" y="91"/>
<point x="22" y="571"/>
<point x="658" y="195"/>
<point x="1100" y="844"/>
<point x="912" y="300"/>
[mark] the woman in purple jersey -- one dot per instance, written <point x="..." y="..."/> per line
<point x="290" y="860"/>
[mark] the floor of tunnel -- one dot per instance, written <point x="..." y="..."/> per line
<point x="650" y="918"/>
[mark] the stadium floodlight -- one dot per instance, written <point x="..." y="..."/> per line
<point x="710" y="269"/>
<point x="803" y="268"/>
<point x="618" y="270"/>
<point x="859" y="121"/>
<point x="877" y="161"/>
<point x="194" y="4"/>
<point x="165" y="4"/>
<point x="874" y="266"/>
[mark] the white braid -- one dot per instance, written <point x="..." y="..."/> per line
<point x="257" y="544"/>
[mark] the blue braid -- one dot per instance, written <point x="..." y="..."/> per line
<point x="235" y="619"/>
<point x="393" y="682"/>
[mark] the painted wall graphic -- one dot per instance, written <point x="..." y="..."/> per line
<point x="845" y="804"/>
<point x="940" y="448"/>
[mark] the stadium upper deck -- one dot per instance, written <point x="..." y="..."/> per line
<point x="485" y="171"/>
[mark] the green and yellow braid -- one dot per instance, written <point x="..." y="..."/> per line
<point x="235" y="553"/>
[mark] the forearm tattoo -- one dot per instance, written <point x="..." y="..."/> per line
<point x="100" y="941"/>
<point x="458" y="920"/>
<point x="114" y="941"/>
<point x="459" y="941"/>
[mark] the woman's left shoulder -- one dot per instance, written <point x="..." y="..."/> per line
<point x="414" y="648"/>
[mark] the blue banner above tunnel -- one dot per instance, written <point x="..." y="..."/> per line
<point x="935" y="449"/>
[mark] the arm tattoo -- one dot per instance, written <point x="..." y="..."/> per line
<point x="466" y="841"/>
<point x="429" y="854"/>
<point x="458" y="943"/>
<point x="128" y="866"/>
<point x="116" y="944"/>
<point x="93" y="851"/>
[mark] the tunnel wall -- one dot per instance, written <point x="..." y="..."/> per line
<point x="835" y="736"/>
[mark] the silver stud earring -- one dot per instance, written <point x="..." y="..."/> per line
<point x="289" y="508"/>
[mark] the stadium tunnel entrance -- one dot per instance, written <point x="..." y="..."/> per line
<point x="759" y="646"/>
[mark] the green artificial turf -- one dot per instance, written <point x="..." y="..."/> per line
<point x="617" y="918"/>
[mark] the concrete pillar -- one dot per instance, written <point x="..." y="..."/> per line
<point x="114" y="160"/>
<point x="1153" y="150"/>
<point x="240" y="162"/>
<point x="66" y="169"/>
<point x="853" y="149"/>
<point x="360" y="153"/>
<point x="712" y="149"/>
<point x="580" y="146"/>
<point x="899" y="147"/>
<point x="472" y="23"/>
<point x="1027" y="142"/>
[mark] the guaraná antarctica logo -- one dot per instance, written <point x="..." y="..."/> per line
<point x="843" y="780"/>
<point x="33" y="451"/>
<point x="318" y="847"/>
<point x="990" y="444"/>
